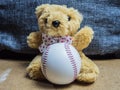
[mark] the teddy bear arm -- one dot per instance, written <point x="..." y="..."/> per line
<point x="34" y="39"/>
<point x="82" y="39"/>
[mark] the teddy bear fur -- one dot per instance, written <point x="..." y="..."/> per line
<point x="70" y="20"/>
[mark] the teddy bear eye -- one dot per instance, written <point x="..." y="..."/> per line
<point x="45" y="20"/>
<point x="69" y="18"/>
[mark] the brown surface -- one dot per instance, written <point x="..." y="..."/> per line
<point x="109" y="78"/>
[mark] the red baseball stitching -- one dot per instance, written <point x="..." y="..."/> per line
<point x="72" y="60"/>
<point x="70" y="56"/>
<point x="44" y="59"/>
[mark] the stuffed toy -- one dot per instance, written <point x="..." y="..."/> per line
<point x="57" y="21"/>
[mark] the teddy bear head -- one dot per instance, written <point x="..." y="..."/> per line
<point x="58" y="20"/>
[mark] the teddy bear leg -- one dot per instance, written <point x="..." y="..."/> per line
<point x="34" y="69"/>
<point x="89" y="71"/>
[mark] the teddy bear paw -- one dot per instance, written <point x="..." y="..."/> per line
<point x="88" y="31"/>
<point x="35" y="73"/>
<point x="87" y="77"/>
<point x="32" y="40"/>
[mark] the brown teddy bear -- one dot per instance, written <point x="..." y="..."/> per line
<point x="56" y="21"/>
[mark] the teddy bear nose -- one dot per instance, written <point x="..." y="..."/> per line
<point x="56" y="23"/>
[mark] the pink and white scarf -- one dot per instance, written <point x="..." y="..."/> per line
<point x="49" y="40"/>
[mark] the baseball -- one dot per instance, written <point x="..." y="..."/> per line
<point x="61" y="63"/>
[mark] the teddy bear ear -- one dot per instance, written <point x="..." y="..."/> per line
<point x="40" y="9"/>
<point x="80" y="16"/>
<point x="77" y="14"/>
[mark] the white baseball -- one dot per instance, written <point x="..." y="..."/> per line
<point x="61" y="63"/>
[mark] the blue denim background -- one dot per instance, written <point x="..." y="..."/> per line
<point x="17" y="20"/>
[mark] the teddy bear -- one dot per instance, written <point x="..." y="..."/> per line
<point x="58" y="21"/>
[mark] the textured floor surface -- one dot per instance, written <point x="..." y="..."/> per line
<point x="13" y="77"/>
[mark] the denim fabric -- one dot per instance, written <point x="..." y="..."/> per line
<point x="17" y="20"/>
